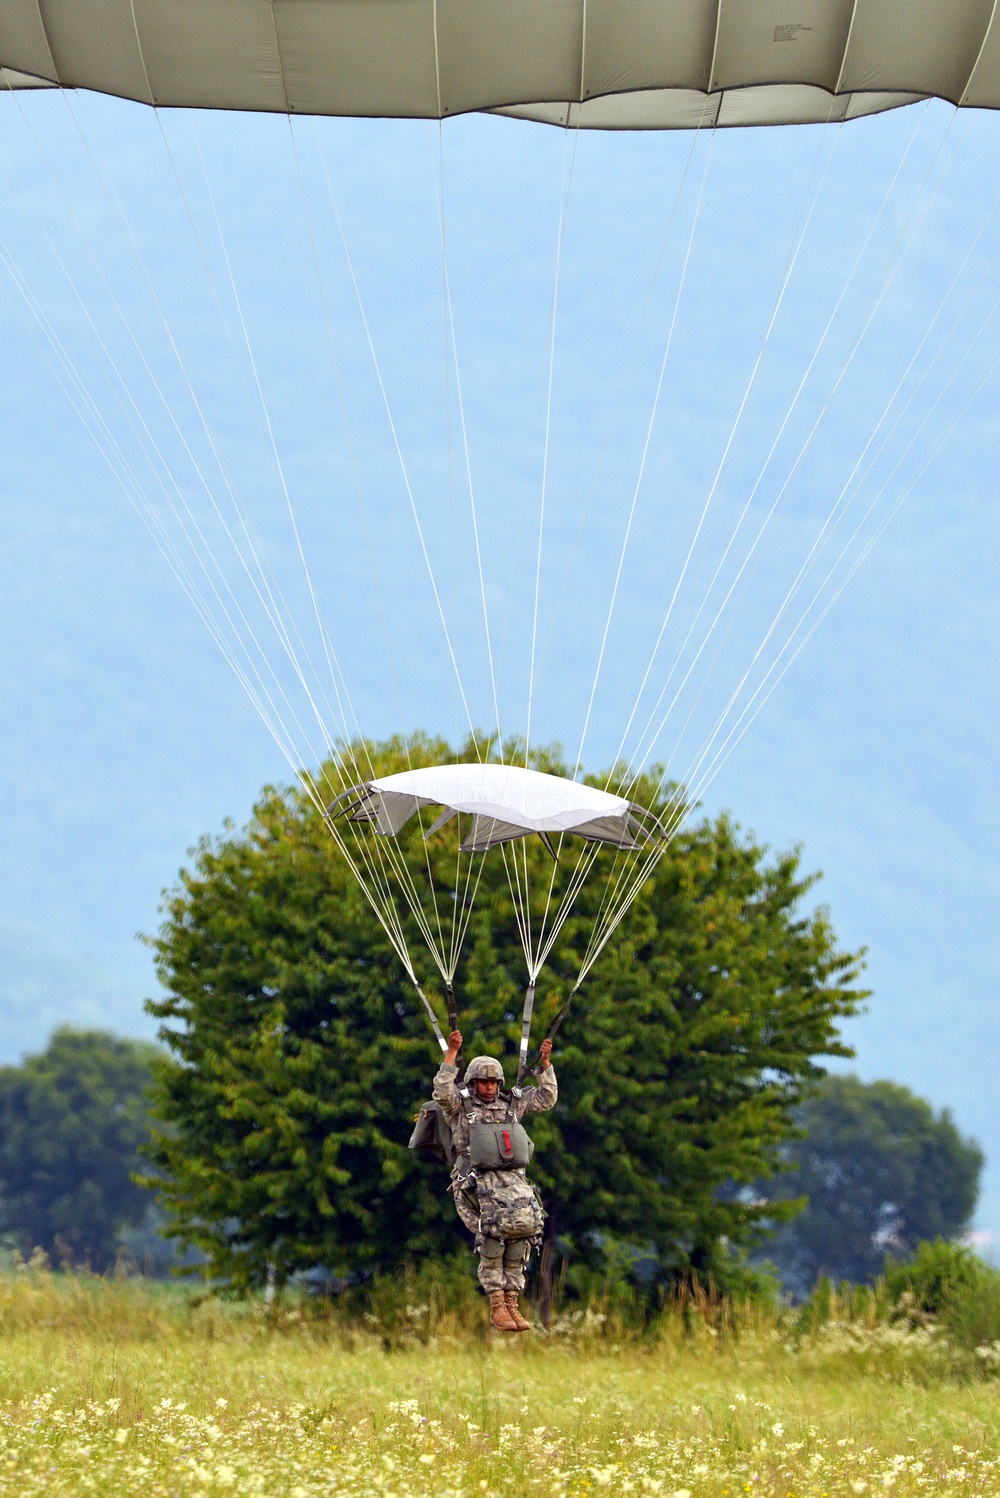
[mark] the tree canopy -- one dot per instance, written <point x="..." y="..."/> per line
<point x="72" y="1120"/>
<point x="299" y="1055"/>
<point x="882" y="1171"/>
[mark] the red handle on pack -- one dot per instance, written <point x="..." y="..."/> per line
<point x="506" y="1143"/>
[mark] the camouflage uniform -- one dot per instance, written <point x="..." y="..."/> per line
<point x="501" y="1262"/>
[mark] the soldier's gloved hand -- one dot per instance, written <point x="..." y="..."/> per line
<point x="544" y="1052"/>
<point x="454" y="1046"/>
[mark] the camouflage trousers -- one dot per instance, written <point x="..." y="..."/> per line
<point x="502" y="1262"/>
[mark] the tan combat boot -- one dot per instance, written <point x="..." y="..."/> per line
<point x="499" y="1315"/>
<point x="510" y="1297"/>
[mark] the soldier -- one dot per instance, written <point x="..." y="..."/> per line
<point x="496" y="1204"/>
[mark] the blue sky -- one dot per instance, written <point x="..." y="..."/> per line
<point x="127" y="736"/>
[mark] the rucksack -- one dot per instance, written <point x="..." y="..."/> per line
<point x="432" y="1133"/>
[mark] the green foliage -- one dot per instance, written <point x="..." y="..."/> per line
<point x="72" y="1119"/>
<point x="882" y="1172"/>
<point x="299" y="1054"/>
<point x="939" y="1273"/>
<point x="951" y="1283"/>
<point x="934" y="1315"/>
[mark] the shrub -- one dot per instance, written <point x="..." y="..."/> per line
<point x="950" y="1283"/>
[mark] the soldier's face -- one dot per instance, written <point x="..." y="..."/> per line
<point x="486" y="1089"/>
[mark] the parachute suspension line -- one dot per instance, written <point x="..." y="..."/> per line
<point x="431" y="1016"/>
<point x="574" y="885"/>
<point x="645" y="452"/>
<point x="463" y="903"/>
<point x="133" y="248"/>
<point x="790" y="261"/>
<point x="75" y="389"/>
<point x="749" y="716"/>
<point x="452" y="1007"/>
<point x="377" y="875"/>
<point x="640" y="750"/>
<point x="545" y="943"/>
<point x="449" y="438"/>
<point x="465" y="906"/>
<point x="280" y="620"/>
<point x="619" y="871"/>
<point x="564" y="194"/>
<point x="385" y="912"/>
<point x="619" y="400"/>
<point x="266" y="597"/>
<point x="332" y="664"/>
<point x="892" y="266"/>
<point x="518" y="900"/>
<point x="622" y="874"/>
<point x="331" y="344"/>
<point x="626" y="890"/>
<point x="588" y="852"/>
<point x="761" y="695"/>
<point x="446" y="957"/>
<point x="520" y="849"/>
<point x="120" y="467"/>
<point x="450" y="340"/>
<point x="396" y="443"/>
<point x="268" y="710"/>
<point x="148" y="445"/>
<point x="348" y="437"/>
<point x="379" y="894"/>
<point x="753" y="491"/>
<point x="750" y="711"/>
<point x="520" y="883"/>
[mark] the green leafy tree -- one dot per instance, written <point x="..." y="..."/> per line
<point x="299" y="1053"/>
<point x="72" y="1120"/>
<point x="882" y="1172"/>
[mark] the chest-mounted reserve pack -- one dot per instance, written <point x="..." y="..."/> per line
<point x="499" y="1146"/>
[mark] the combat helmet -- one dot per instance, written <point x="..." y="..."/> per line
<point x="484" y="1069"/>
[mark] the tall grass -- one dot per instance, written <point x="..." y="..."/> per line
<point x="122" y="1387"/>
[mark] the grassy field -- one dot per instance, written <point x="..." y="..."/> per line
<point x="121" y="1388"/>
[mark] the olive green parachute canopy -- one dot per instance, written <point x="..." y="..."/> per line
<point x="607" y="64"/>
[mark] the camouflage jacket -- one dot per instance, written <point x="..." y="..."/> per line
<point x="461" y="1111"/>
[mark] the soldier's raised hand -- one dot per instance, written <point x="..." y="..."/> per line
<point x="544" y="1052"/>
<point x="454" y="1046"/>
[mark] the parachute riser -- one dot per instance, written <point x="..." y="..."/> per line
<point x="431" y="1015"/>
<point x="529" y="1005"/>
<point x="553" y="1029"/>
<point x="453" y="1025"/>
